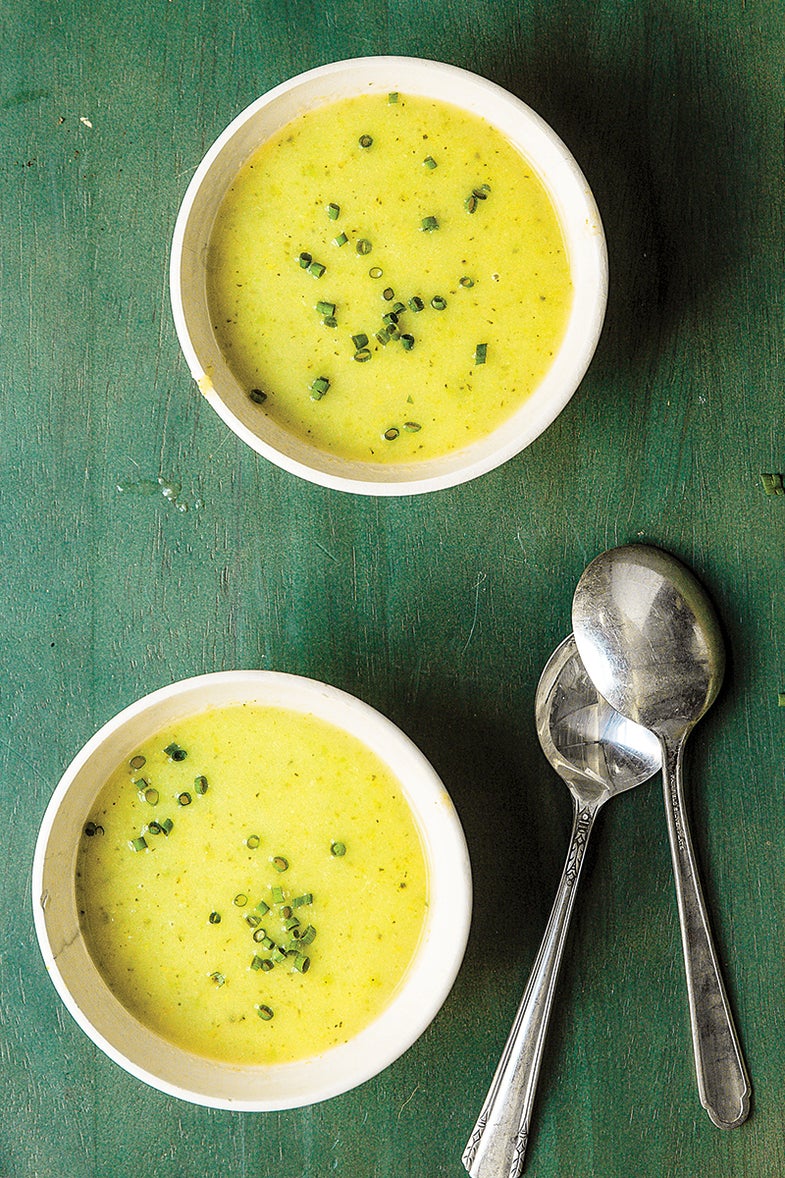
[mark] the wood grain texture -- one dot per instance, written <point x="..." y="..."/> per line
<point x="439" y="611"/>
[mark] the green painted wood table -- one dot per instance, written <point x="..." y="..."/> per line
<point x="439" y="610"/>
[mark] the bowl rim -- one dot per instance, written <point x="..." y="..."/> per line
<point x="192" y="1077"/>
<point x="583" y="232"/>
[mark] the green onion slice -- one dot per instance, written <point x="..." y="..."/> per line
<point x="466" y="281"/>
<point x="360" y="340"/>
<point x="277" y="894"/>
<point x="258" y="396"/>
<point x="416" y="303"/>
<point x="252" y="842"/>
<point x="175" y="753"/>
<point x="302" y="963"/>
<point x="319" y="387"/>
<point x="265" y="1012"/>
<point x="362" y="355"/>
<point x="429" y="162"/>
<point x="438" y="303"/>
<point x="333" y="211"/>
<point x="308" y="935"/>
<point x="262" y="908"/>
<point x="300" y="901"/>
<point x="428" y="224"/>
<point x="365" y="141"/>
<point x="340" y="240"/>
<point x="363" y="246"/>
<point x="217" y="977"/>
<point x="392" y="97"/>
<point x="480" y="353"/>
<point x="240" y="900"/>
<point x="279" y="863"/>
<point x="92" y="828"/>
<point x="375" y="272"/>
<point x="138" y="762"/>
<point x="138" y="844"/>
<point x="408" y="341"/>
<point x="325" y="308"/>
<point x="214" y="918"/>
<point x="304" y="259"/>
<point x="336" y="848"/>
<point x="388" y="294"/>
<point x="184" y="799"/>
<point x="200" y="784"/>
<point x="412" y="427"/>
<point x="317" y="269"/>
<point x="167" y="826"/>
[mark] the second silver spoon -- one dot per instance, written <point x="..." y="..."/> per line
<point x="597" y="753"/>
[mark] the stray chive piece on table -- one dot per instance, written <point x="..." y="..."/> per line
<point x="773" y="484"/>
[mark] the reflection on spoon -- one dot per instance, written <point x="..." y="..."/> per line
<point x="598" y="753"/>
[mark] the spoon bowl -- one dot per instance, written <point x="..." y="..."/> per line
<point x="598" y="753"/>
<point x="650" y="640"/>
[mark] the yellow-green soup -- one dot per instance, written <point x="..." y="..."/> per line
<point x="378" y="206"/>
<point x="251" y="884"/>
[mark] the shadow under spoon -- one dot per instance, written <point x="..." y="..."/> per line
<point x="598" y="753"/>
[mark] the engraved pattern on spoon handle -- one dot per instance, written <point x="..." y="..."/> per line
<point x="723" y="1081"/>
<point x="497" y="1144"/>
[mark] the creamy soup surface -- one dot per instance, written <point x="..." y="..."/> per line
<point x="388" y="279"/>
<point x="252" y="884"/>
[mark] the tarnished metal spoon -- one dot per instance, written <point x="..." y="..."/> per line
<point x="598" y="753"/>
<point x="649" y="638"/>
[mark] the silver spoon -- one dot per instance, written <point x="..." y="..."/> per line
<point x="650" y="640"/>
<point x="598" y="754"/>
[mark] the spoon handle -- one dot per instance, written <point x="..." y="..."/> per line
<point x="498" y="1142"/>
<point x="723" y="1082"/>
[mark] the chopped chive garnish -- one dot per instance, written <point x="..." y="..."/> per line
<point x="438" y="303"/>
<point x="337" y="848"/>
<point x="137" y="762"/>
<point x="92" y="828"/>
<point x="408" y="341"/>
<point x="258" y="396"/>
<point x="291" y="923"/>
<point x="392" y="96"/>
<point x="286" y="912"/>
<point x="390" y="318"/>
<point x="428" y="224"/>
<point x="278" y="954"/>
<point x="482" y="192"/>
<point x="773" y="484"/>
<point x="429" y="162"/>
<point x="375" y="272"/>
<point x="388" y="294"/>
<point x="262" y="908"/>
<point x="252" y="842"/>
<point x="200" y="784"/>
<point x="138" y="844"/>
<point x="319" y="387"/>
<point x="300" y="901"/>
<point x="365" y="141"/>
<point x="383" y="336"/>
<point x="279" y="863"/>
<point x="253" y="920"/>
<point x="217" y="977"/>
<point x="471" y="203"/>
<point x="308" y="935"/>
<point x="302" y="963"/>
<point x="184" y="799"/>
<point x="398" y="308"/>
<point x="317" y="269"/>
<point x="341" y="239"/>
<point x="325" y="308"/>
<point x="330" y="321"/>
<point x="175" y="753"/>
<point x="466" y="281"/>
<point x="166" y="826"/>
<point x="480" y="353"/>
<point x="277" y="894"/>
<point x="360" y="340"/>
<point x="304" y="259"/>
<point x="294" y="945"/>
<point x="416" y="303"/>
<point x="267" y="965"/>
<point x="362" y="355"/>
<point x="154" y="827"/>
<point x="265" y="1012"/>
<point x="363" y="246"/>
<point x="333" y="211"/>
<point x="214" y="918"/>
<point x="256" y="962"/>
<point x="389" y="435"/>
<point x="149" y="795"/>
<point x="240" y="900"/>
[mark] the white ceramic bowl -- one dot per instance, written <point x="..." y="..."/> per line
<point x="172" y="1069"/>
<point x="577" y="211"/>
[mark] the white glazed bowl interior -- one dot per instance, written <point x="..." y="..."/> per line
<point x="577" y="211"/>
<point x="170" y="1068"/>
